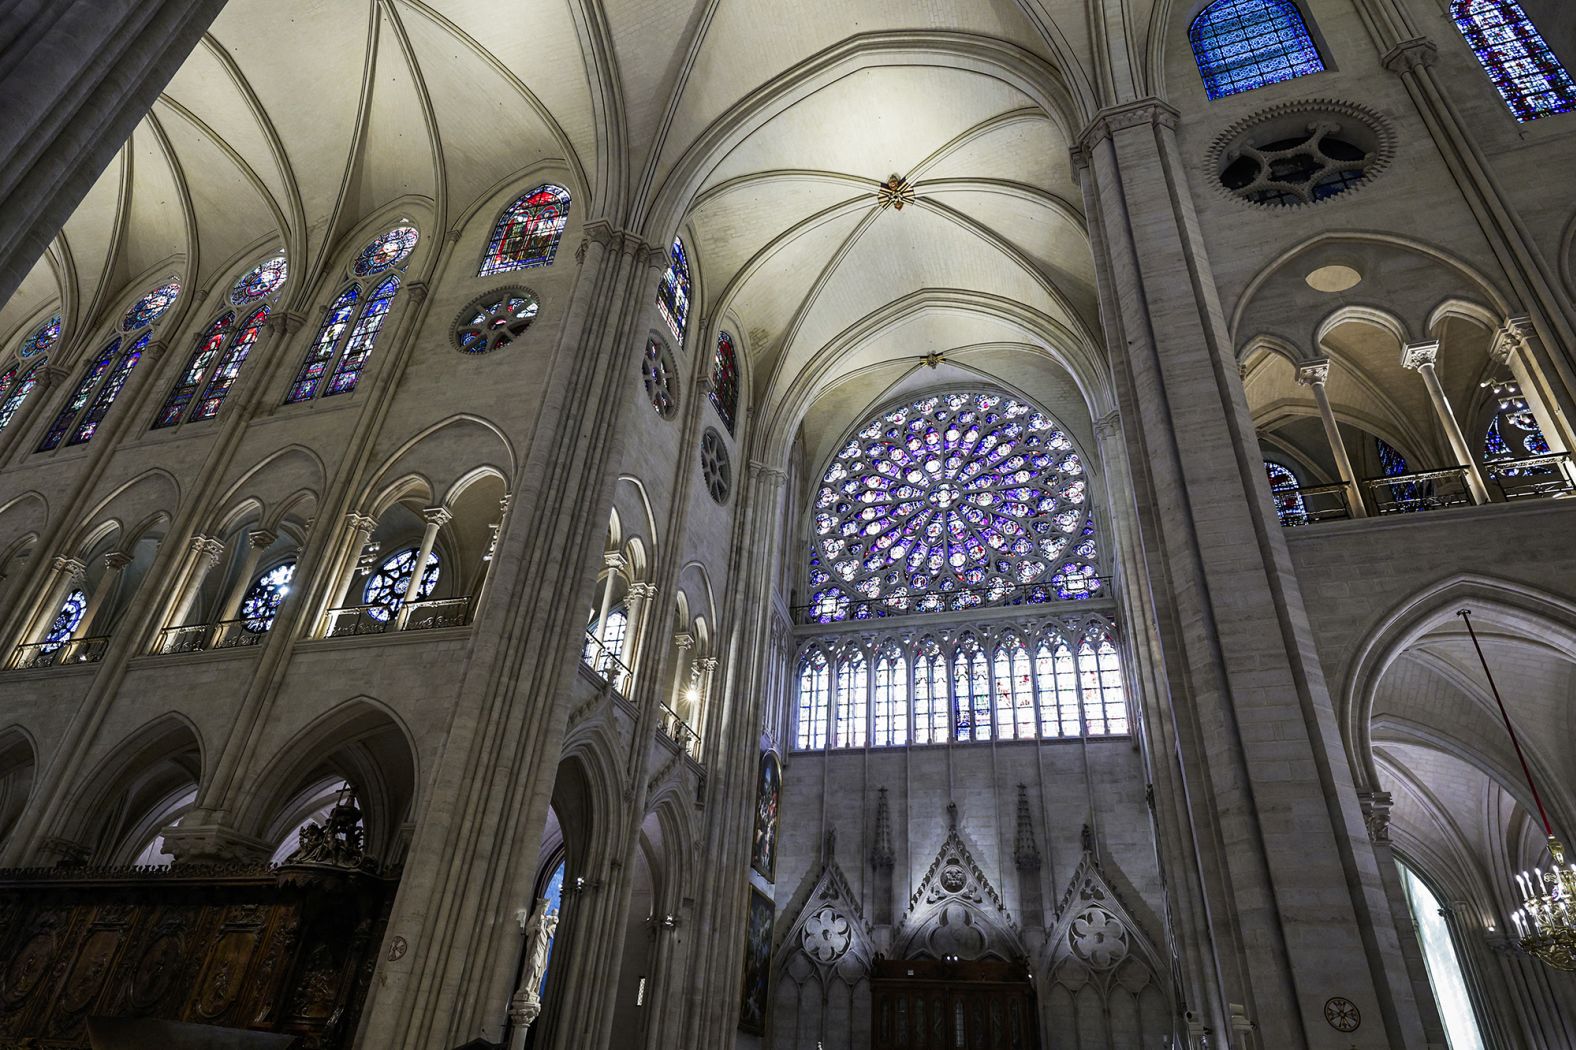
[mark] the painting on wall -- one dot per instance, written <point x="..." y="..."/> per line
<point x="768" y="794"/>
<point x="757" y="963"/>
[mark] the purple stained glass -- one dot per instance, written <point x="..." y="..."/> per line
<point x="1516" y="58"/>
<point x="359" y="346"/>
<point x="321" y="353"/>
<point x="186" y="386"/>
<point x="80" y="396"/>
<point x="951" y="502"/>
<point x="391" y="249"/>
<point x="151" y="306"/>
<point x="1240" y="45"/>
<point x="114" y="383"/>
<point x="229" y="366"/>
<point x="674" y="291"/>
<point x="15" y="393"/>
<point x="41" y="340"/>
<point x="260" y="281"/>
<point x="528" y="232"/>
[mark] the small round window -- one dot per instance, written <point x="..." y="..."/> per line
<point x="493" y="321"/>
<point x="1304" y="156"/>
<point x="656" y="369"/>
<point x="714" y="466"/>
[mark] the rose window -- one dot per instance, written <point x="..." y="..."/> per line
<point x="494" y="320"/>
<point x="951" y="502"/>
<point x="657" y="370"/>
<point x="714" y="468"/>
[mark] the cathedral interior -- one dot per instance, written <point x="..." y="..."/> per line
<point x="693" y="524"/>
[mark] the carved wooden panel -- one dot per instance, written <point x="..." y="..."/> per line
<point x="923" y="1004"/>
<point x="230" y="947"/>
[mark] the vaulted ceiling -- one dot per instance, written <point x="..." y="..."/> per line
<point x="761" y="134"/>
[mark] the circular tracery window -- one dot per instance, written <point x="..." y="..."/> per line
<point x="657" y="369"/>
<point x="264" y="596"/>
<point x="951" y="502"/>
<point x="261" y="280"/>
<point x="714" y="467"/>
<point x="390" y="249"/>
<point x="385" y="590"/>
<point x="493" y="321"/>
<point x="1301" y="153"/>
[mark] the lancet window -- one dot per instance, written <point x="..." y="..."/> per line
<point x="528" y="231"/>
<point x="334" y="361"/>
<point x="94" y="395"/>
<point x="1240" y="45"/>
<point x="724" y="391"/>
<point x="1522" y="66"/>
<point x="66" y="621"/>
<point x="1015" y="681"/>
<point x="673" y="294"/>
<point x="212" y="369"/>
<point x="16" y="383"/>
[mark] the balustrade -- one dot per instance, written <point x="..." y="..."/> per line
<point x="605" y="663"/>
<point x="670" y="725"/>
<point x="429" y="615"/>
<point x="204" y="637"/>
<point x="59" y="654"/>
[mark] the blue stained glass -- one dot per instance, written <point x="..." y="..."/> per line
<point x="554" y="894"/>
<point x="391" y="249"/>
<point x="1516" y="58"/>
<point x="264" y="596"/>
<point x="1494" y="446"/>
<point x="1288" y="502"/>
<point x="229" y="366"/>
<point x="1240" y="45"/>
<point x="186" y="386"/>
<point x="1390" y="461"/>
<point x="674" y="292"/>
<point x="151" y="306"/>
<point x="264" y="279"/>
<point x="1512" y="434"/>
<point x="15" y="390"/>
<point x="951" y="502"/>
<point x="79" y="397"/>
<point x="528" y="232"/>
<point x="385" y="590"/>
<point x="113" y="384"/>
<point x="41" y="339"/>
<point x="359" y="346"/>
<point x="66" y="621"/>
<point x="321" y="352"/>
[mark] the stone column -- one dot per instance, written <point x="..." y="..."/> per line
<point x="70" y="574"/>
<point x="1421" y="358"/>
<point x="1513" y="349"/>
<point x="115" y="563"/>
<point x="436" y="518"/>
<point x="612" y="561"/>
<point x="257" y="541"/>
<point x="637" y="602"/>
<point x="206" y="553"/>
<point x="484" y="578"/>
<point x="1315" y="374"/>
<point x="1294" y="907"/>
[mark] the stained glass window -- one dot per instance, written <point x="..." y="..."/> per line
<point x="260" y="281"/>
<point x="528" y="232"/>
<point x="223" y="377"/>
<point x="853" y="701"/>
<point x="14" y="389"/>
<point x="932" y="709"/>
<point x="493" y="321"/>
<point x="41" y="339"/>
<point x="1283" y="493"/>
<point x="391" y="249"/>
<point x="724" y="391"/>
<point x="66" y="621"/>
<point x="1100" y="679"/>
<point x="815" y="691"/>
<point x="617" y="632"/>
<point x="673" y="293"/>
<point x="79" y="396"/>
<point x="1516" y="58"/>
<point x="321" y="352"/>
<point x="1015" y="717"/>
<point x="385" y="590"/>
<point x="264" y="596"/>
<point x="891" y="698"/>
<point x="971" y="714"/>
<point x="1056" y="677"/>
<point x="951" y="502"/>
<point x="1240" y="45"/>
<point x="1391" y="462"/>
<point x="359" y="346"/>
<point x="1446" y="978"/>
<point x="1513" y="434"/>
<point x="114" y="383"/>
<point x="151" y="306"/>
<point x="553" y="892"/>
<point x="186" y="386"/>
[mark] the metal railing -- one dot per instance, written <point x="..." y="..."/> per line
<point x="1318" y="503"/>
<point x="670" y="725"/>
<point x="858" y="607"/>
<point x="1419" y="491"/>
<point x="205" y="637"/>
<point x="59" y="654"/>
<point x="604" y="662"/>
<point x="1546" y="475"/>
<point x="356" y="620"/>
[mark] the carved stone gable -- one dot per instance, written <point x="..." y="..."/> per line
<point x="955" y="910"/>
<point x="1096" y="934"/>
<point x="830" y="938"/>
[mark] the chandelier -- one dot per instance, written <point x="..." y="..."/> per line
<point x="1546" y="921"/>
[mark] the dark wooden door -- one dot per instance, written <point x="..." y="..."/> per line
<point x="926" y="1005"/>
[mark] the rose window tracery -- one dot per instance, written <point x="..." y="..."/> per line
<point x="951" y="502"/>
<point x="827" y="936"/>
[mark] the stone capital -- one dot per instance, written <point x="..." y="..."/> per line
<point x="284" y="322"/>
<point x="1514" y="336"/>
<point x="1314" y="373"/>
<point x="1144" y="112"/>
<point x="612" y="560"/>
<point x="207" y="549"/>
<point x="642" y="592"/>
<point x="1417" y="356"/>
<point x="760" y="470"/>
<point x="439" y="516"/>
<point x="706" y="665"/>
<point x="360" y="522"/>
<point x="51" y="375"/>
<point x="416" y="292"/>
<point x="1411" y="55"/>
<point x="190" y="842"/>
<point x="115" y="561"/>
<point x="153" y="353"/>
<point x="261" y="539"/>
<point x="66" y="853"/>
<point x="1376" y="814"/>
<point x="1108" y="425"/>
<point x="71" y="568"/>
<point x="683" y="639"/>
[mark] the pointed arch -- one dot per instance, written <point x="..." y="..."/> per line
<point x="528" y="231"/>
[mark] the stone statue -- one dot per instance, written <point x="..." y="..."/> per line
<point x="526" y="1003"/>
